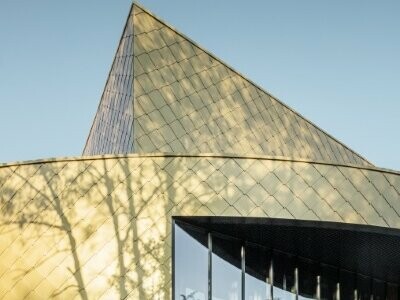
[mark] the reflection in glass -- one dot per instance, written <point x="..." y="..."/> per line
<point x="308" y="277"/>
<point x="347" y="284"/>
<point x="226" y="269"/>
<point x="329" y="279"/>
<point x="257" y="267"/>
<point x="284" y="279"/>
<point x="363" y="287"/>
<point x="191" y="265"/>
<point x="256" y="289"/>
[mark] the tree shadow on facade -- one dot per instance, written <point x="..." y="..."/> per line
<point x="101" y="228"/>
<point x="44" y="214"/>
<point x="59" y="209"/>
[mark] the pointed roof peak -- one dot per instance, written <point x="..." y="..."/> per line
<point x="193" y="73"/>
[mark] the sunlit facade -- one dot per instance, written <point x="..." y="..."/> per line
<point x="195" y="183"/>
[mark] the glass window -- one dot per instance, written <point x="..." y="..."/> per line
<point x="226" y="269"/>
<point x="329" y="281"/>
<point x="363" y="287"/>
<point x="308" y="272"/>
<point x="257" y="271"/>
<point x="191" y="264"/>
<point x="347" y="285"/>
<point x="284" y="280"/>
<point x="197" y="268"/>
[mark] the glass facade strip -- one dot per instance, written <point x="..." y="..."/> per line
<point x="284" y="275"/>
<point x="328" y="282"/>
<point x="271" y="277"/>
<point x="257" y="273"/>
<point x="209" y="281"/>
<point x="296" y="282"/>
<point x="218" y="267"/>
<point x="363" y="287"/>
<point x="190" y="264"/>
<point x="226" y="269"/>
<point x="347" y="284"/>
<point x="308" y="278"/>
<point x="243" y="265"/>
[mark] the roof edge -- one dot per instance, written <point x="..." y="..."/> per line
<point x="247" y="79"/>
<point x="108" y="76"/>
<point x="194" y="155"/>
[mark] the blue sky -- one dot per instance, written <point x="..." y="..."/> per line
<point x="335" y="62"/>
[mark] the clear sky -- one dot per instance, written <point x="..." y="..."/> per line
<point x="335" y="62"/>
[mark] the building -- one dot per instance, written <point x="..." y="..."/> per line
<point x="197" y="184"/>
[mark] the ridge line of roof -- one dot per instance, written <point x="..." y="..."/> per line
<point x="135" y="2"/>
<point x="196" y="155"/>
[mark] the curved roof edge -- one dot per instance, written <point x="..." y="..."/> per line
<point x="246" y="78"/>
<point x="204" y="155"/>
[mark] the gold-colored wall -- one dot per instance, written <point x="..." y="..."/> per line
<point x="188" y="101"/>
<point x="100" y="228"/>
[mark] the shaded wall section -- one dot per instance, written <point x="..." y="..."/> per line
<point x="112" y="128"/>
<point x="100" y="228"/>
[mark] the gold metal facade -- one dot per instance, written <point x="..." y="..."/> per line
<point x="112" y="128"/>
<point x="184" y="100"/>
<point x="100" y="228"/>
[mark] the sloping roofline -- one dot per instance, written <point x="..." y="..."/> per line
<point x="243" y="77"/>
<point x="108" y="75"/>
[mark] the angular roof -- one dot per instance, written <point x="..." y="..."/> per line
<point x="164" y="93"/>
